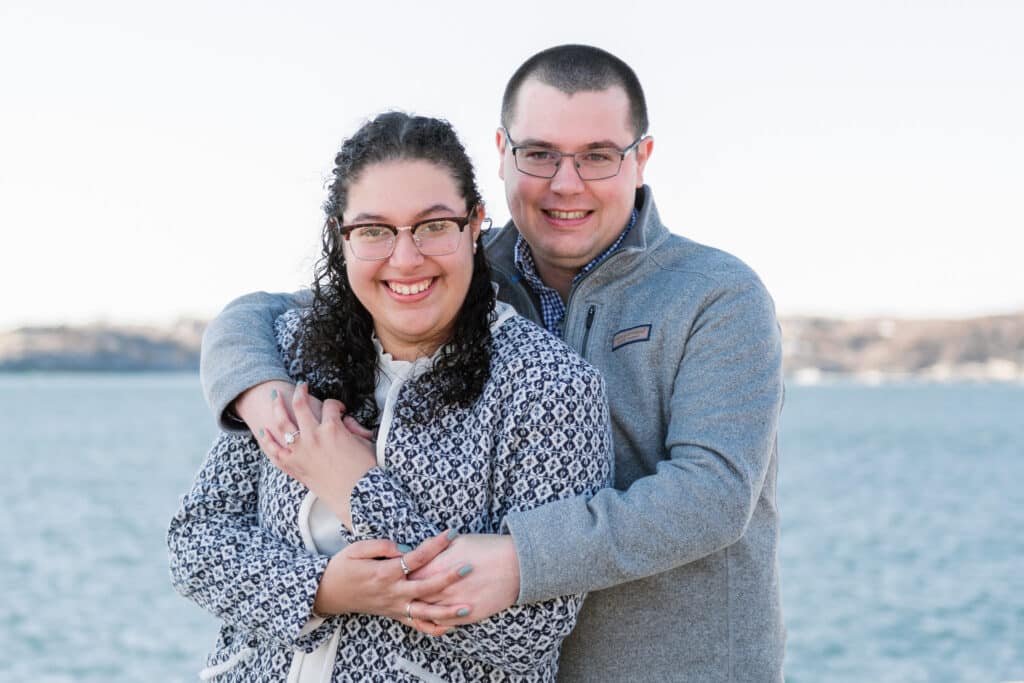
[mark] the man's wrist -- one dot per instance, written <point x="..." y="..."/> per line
<point x="231" y="415"/>
<point x="245" y="405"/>
<point x="512" y="567"/>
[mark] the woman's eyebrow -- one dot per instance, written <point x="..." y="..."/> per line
<point x="435" y="208"/>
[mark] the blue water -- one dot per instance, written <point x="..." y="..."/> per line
<point x="902" y="544"/>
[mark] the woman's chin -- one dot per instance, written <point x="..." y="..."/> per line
<point x="404" y="337"/>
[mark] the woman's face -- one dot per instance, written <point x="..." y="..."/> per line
<point x="414" y="299"/>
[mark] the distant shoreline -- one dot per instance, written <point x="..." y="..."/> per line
<point x="816" y="350"/>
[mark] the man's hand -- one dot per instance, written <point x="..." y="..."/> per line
<point x="367" y="578"/>
<point x="260" y="409"/>
<point x="491" y="586"/>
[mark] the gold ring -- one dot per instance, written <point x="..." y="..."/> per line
<point x="408" y="612"/>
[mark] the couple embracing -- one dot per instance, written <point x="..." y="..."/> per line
<point x="542" y="451"/>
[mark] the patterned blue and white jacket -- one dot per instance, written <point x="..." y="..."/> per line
<point x="240" y="547"/>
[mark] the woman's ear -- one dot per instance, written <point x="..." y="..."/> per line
<point x="479" y="219"/>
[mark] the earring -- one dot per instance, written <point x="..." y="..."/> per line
<point x="474" y="247"/>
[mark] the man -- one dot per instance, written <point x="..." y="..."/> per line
<point x="680" y="557"/>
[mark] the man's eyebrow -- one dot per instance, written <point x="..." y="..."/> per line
<point x="365" y="216"/>
<point x="534" y="142"/>
<point x="599" y="144"/>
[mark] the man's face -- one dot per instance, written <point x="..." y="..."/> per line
<point x="567" y="221"/>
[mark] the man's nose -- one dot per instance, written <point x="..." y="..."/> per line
<point x="566" y="179"/>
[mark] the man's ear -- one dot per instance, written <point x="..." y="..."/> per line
<point x="644" y="150"/>
<point x="500" y="140"/>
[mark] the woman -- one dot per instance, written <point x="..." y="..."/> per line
<point x="477" y="413"/>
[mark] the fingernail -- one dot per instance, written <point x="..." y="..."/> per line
<point x="452" y="533"/>
<point x="404" y="548"/>
<point x="262" y="433"/>
<point x="465" y="570"/>
<point x="464" y="612"/>
<point x="301" y="382"/>
<point x="273" y="394"/>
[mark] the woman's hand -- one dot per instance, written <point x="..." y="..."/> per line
<point x="367" y="578"/>
<point x="324" y="454"/>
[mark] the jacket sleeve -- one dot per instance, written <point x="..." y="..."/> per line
<point x="240" y="350"/>
<point x="559" y="445"/>
<point x="722" y="421"/>
<point x="221" y="558"/>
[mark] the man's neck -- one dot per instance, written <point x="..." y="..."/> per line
<point x="558" y="279"/>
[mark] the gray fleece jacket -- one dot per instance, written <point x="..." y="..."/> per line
<point x="681" y="557"/>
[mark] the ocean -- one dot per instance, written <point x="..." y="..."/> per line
<point x="902" y="550"/>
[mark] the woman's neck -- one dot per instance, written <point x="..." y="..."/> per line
<point x="408" y="350"/>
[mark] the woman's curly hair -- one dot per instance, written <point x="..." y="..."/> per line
<point x="336" y="338"/>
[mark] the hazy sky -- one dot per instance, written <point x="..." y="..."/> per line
<point x="158" y="159"/>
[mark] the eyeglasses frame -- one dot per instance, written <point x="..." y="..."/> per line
<point x="461" y="221"/>
<point x="561" y="155"/>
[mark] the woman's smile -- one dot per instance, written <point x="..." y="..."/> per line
<point x="406" y="290"/>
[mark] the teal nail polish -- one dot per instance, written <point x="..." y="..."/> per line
<point x="273" y="394"/>
<point x="262" y="433"/>
<point x="452" y="534"/>
<point x="465" y="570"/>
<point x="404" y="548"/>
<point x="462" y="612"/>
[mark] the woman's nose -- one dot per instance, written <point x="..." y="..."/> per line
<point x="406" y="252"/>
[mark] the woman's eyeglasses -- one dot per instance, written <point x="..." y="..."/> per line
<point x="433" y="236"/>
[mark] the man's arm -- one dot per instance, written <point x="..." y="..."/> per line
<point x="240" y="351"/>
<point x="726" y="398"/>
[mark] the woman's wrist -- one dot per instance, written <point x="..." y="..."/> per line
<point x="326" y="604"/>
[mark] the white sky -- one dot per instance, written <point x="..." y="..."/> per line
<point x="158" y="159"/>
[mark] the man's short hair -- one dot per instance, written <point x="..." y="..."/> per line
<point x="578" y="68"/>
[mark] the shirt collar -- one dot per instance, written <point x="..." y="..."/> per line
<point x="528" y="269"/>
<point x="552" y="308"/>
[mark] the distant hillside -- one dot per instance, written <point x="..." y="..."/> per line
<point x="102" y="347"/>
<point x="988" y="348"/>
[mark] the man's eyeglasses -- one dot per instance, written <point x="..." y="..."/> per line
<point x="591" y="164"/>
<point x="433" y="237"/>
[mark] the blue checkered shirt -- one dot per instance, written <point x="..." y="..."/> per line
<point x="552" y="308"/>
